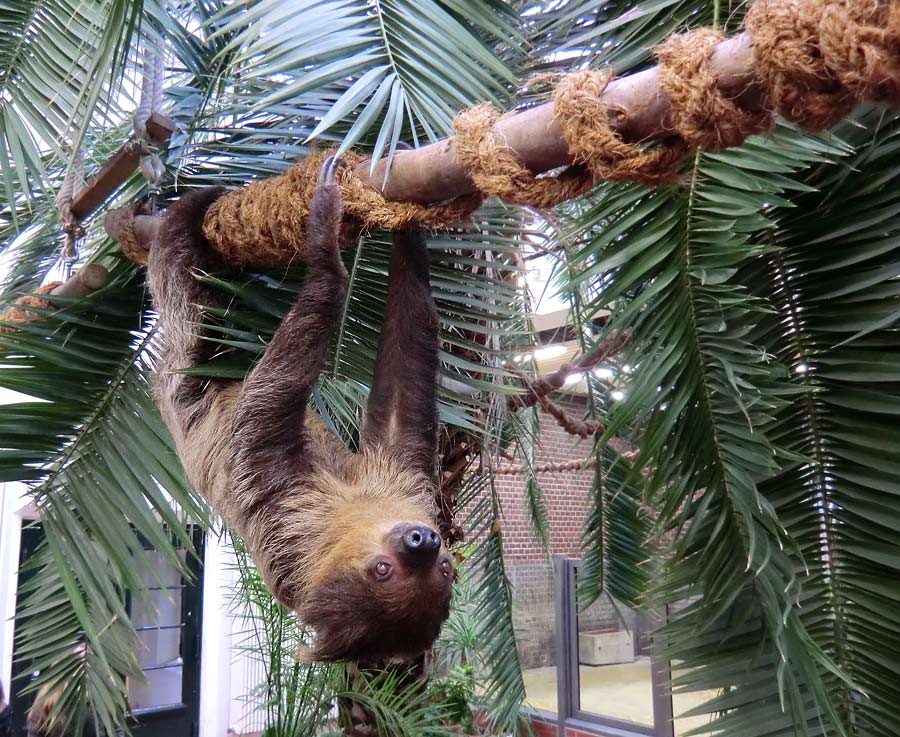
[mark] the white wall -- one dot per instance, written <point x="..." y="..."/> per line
<point x="215" y="649"/>
<point x="227" y="674"/>
<point x="14" y="507"/>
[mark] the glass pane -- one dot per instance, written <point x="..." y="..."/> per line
<point x="157" y="615"/>
<point x="162" y="688"/>
<point x="682" y="702"/>
<point x="534" y="618"/>
<point x="614" y="663"/>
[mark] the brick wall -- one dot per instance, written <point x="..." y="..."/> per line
<point x="567" y="498"/>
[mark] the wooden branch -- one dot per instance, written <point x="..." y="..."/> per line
<point x="145" y="226"/>
<point x="540" y="387"/>
<point x="119" y="167"/>
<point x="88" y="279"/>
<point x="639" y="111"/>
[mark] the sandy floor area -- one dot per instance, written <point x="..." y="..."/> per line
<point x="621" y="691"/>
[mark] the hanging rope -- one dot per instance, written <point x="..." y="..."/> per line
<point x="814" y="59"/>
<point x="151" y="165"/>
<point x="73" y="182"/>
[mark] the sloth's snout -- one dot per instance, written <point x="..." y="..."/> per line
<point x="420" y="543"/>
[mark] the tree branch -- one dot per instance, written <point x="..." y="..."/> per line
<point x="638" y="110"/>
<point x="88" y="279"/>
<point x="542" y="386"/>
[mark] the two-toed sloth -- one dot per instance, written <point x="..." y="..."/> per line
<point x="345" y="539"/>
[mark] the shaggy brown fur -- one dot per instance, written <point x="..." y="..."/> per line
<point x="328" y="529"/>
<point x="41" y="722"/>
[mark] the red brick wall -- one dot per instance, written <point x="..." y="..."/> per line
<point x="567" y="499"/>
<point x="566" y="494"/>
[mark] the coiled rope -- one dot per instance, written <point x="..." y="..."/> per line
<point x="815" y="60"/>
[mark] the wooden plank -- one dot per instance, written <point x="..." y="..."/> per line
<point x="160" y="127"/>
<point x="108" y="180"/>
<point x="120" y="166"/>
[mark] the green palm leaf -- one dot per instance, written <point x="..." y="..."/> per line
<point x="58" y="66"/>
<point x="702" y="394"/>
<point x="834" y="284"/>
<point x="391" y="57"/>
<point x="102" y="498"/>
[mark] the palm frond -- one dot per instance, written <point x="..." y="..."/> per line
<point x="388" y="61"/>
<point x="101" y="498"/>
<point x="833" y="282"/>
<point x="703" y="394"/>
<point x="59" y="66"/>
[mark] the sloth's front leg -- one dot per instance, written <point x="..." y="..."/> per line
<point x="323" y="251"/>
<point x="269" y="437"/>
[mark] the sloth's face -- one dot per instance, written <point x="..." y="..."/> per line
<point x="390" y="600"/>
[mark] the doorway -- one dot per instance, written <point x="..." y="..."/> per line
<point x="608" y="680"/>
<point x="168" y="622"/>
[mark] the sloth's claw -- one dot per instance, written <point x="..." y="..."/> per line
<point x="330" y="165"/>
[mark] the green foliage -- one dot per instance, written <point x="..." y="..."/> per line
<point x="295" y="696"/>
<point x="759" y="296"/>
<point x="100" y="500"/>
<point x="729" y="456"/>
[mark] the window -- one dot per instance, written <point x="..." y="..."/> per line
<point x="608" y="681"/>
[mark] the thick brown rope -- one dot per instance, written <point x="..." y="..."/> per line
<point x="24" y="308"/>
<point x="815" y="59"/>
<point x="819" y="59"/>
<point x="509" y="469"/>
<point x="861" y="45"/>
<point x="584" y="120"/>
<point x="496" y="171"/>
<point x="787" y="58"/>
<point x="265" y="223"/>
<point x="701" y="114"/>
<point x="131" y="247"/>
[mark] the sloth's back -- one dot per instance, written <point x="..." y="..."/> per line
<point x="206" y="450"/>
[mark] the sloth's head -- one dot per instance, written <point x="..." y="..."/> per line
<point x="387" y="594"/>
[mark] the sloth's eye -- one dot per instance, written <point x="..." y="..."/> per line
<point x="445" y="567"/>
<point x="382" y="568"/>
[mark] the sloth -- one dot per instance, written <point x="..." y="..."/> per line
<point x="346" y="539"/>
<point x="40" y="722"/>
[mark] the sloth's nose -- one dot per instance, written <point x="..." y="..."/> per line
<point x="421" y="541"/>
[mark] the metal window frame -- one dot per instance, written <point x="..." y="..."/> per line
<point x="570" y="715"/>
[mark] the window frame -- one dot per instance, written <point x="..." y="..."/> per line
<point x="570" y="715"/>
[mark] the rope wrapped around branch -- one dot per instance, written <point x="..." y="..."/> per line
<point x="819" y="59"/>
<point x="26" y="308"/>
<point x="812" y="61"/>
<point x="265" y="223"/>
<point x="497" y="172"/>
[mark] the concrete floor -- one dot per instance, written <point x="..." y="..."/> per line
<point x="621" y="691"/>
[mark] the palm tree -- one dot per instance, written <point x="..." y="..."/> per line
<point x="760" y="297"/>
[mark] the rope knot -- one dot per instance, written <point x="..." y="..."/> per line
<point x="860" y="42"/>
<point x="788" y="59"/>
<point x="585" y="122"/>
<point x="700" y="113"/>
